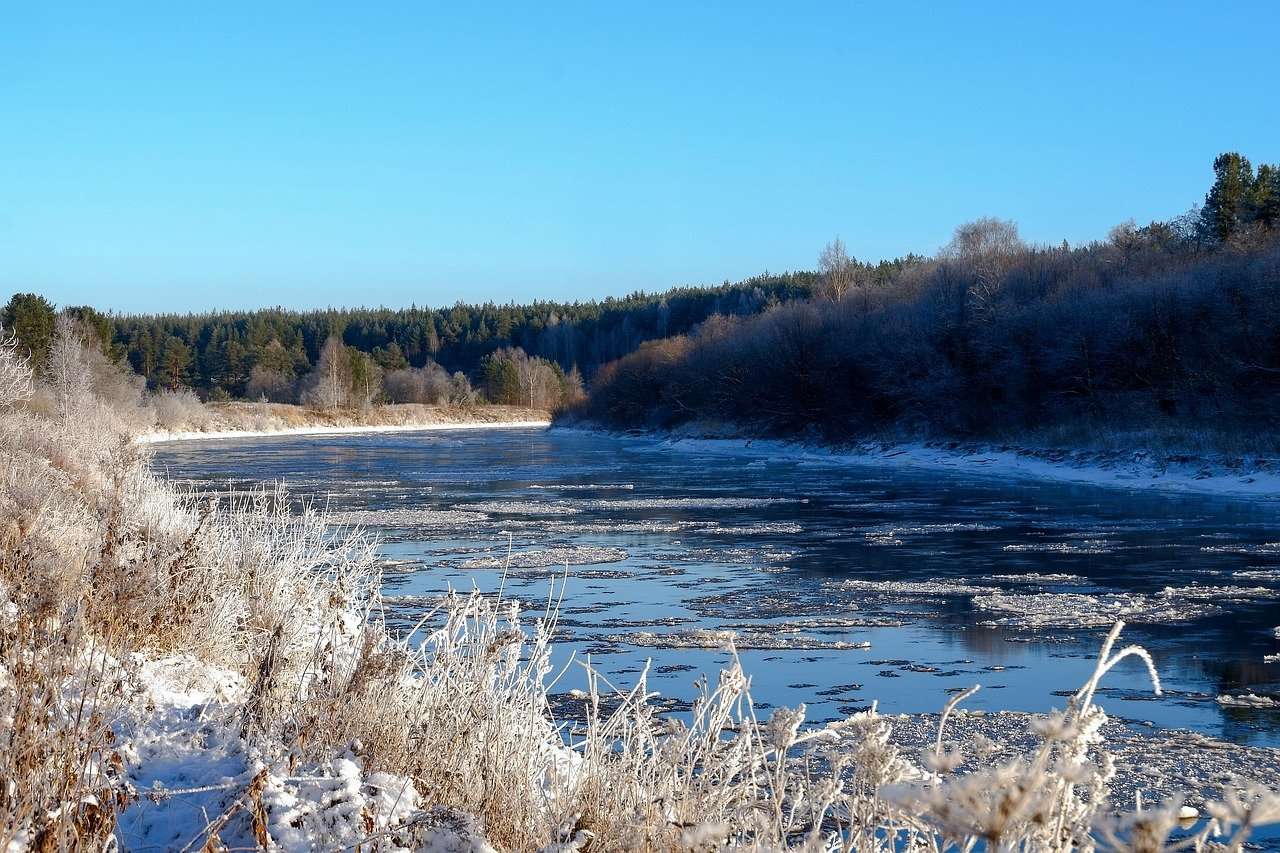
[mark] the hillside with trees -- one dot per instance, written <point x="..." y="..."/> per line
<point x="534" y="355"/>
<point x="1170" y="331"/>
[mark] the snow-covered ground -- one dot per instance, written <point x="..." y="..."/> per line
<point x="1138" y="469"/>
<point x="155" y="437"/>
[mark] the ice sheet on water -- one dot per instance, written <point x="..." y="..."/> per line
<point x="1047" y="578"/>
<point x="895" y="589"/>
<point x="1243" y="548"/>
<point x="1160" y="764"/>
<point x="1079" y="610"/>
<point x="1219" y="593"/>
<point x="560" y="555"/>
<point x="1078" y="546"/>
<point x="523" y="508"/>
<point x="1249" y="700"/>
<point x="582" y="487"/>
<point x="406" y="518"/>
<point x="1257" y="574"/>
<point x="704" y="638"/>
<point x="685" y="503"/>
<point x="891" y="534"/>
<point x="735" y="556"/>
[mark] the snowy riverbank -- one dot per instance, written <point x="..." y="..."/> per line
<point x="354" y="429"/>
<point x="1134" y="469"/>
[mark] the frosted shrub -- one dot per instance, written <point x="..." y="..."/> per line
<point x="178" y="410"/>
<point x="15" y="372"/>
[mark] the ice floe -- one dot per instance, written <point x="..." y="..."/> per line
<point x="1248" y="700"/>
<point x="1079" y="546"/>
<point x="703" y="638"/>
<point x="561" y="555"/>
<point x="408" y="518"/>
<point x="1078" y="610"/>
<point x="523" y="508"/>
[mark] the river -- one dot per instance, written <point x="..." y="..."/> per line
<point x="951" y="579"/>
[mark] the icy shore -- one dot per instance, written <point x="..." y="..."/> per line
<point x="1135" y="469"/>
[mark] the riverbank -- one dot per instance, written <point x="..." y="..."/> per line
<point x="252" y="420"/>
<point x="1251" y="477"/>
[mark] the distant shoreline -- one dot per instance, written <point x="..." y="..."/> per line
<point x="263" y="420"/>
<point x="1136" y="469"/>
<point x="165" y="437"/>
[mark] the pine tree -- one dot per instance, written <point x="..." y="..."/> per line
<point x="1226" y="205"/>
<point x="30" y="318"/>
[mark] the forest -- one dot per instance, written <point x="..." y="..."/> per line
<point x="1172" y="327"/>
<point x="531" y="354"/>
<point x="1169" y="331"/>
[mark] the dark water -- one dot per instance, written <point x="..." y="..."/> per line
<point x="781" y="551"/>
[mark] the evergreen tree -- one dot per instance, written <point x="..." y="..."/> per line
<point x="30" y="318"/>
<point x="1226" y="204"/>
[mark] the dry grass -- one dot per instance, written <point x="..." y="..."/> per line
<point x="274" y="417"/>
<point x="102" y="564"/>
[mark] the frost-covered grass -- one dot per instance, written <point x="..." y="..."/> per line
<point x="186" y="673"/>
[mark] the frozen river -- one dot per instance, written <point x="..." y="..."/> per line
<point x="844" y="584"/>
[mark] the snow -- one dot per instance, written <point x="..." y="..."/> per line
<point x="157" y="437"/>
<point x="1138" y="469"/>
<point x="184" y="755"/>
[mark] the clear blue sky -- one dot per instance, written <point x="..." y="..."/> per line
<point x="184" y="156"/>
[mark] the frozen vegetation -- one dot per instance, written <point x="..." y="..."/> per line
<point x="185" y="672"/>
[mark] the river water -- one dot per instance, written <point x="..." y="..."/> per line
<point x="952" y="580"/>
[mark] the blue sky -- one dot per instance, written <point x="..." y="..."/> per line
<point x="176" y="156"/>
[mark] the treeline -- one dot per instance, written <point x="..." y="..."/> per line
<point x="532" y="354"/>
<point x="217" y="353"/>
<point x="1170" y="325"/>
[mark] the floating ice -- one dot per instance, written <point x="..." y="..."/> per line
<point x="1041" y="578"/>
<point x="1243" y="548"/>
<point x="1249" y="700"/>
<point x="404" y="518"/>
<point x="685" y="503"/>
<point x="570" y="555"/>
<point x="1080" y="546"/>
<point x="523" y="508"/>
<point x="1258" y="574"/>
<point x="703" y="638"/>
<point x="575" y="487"/>
<point x="888" y="534"/>
<point x="912" y="588"/>
<point x="1077" y="610"/>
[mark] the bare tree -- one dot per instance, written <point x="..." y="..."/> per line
<point x="839" y="271"/>
<point x="15" y="371"/>
<point x="70" y="376"/>
<point x="986" y="247"/>
<point x="329" y="384"/>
